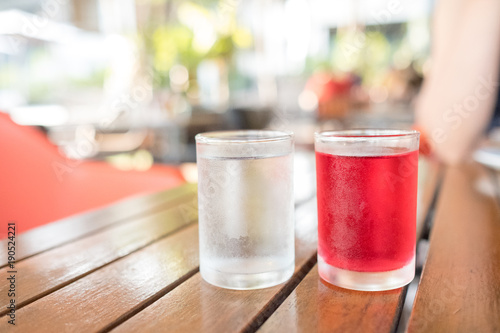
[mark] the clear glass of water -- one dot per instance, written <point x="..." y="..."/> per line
<point x="245" y="200"/>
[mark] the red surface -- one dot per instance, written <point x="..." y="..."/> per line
<point x="367" y="210"/>
<point x="39" y="185"/>
<point x="327" y="87"/>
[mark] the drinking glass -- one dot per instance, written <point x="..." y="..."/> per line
<point x="245" y="200"/>
<point x="367" y="198"/>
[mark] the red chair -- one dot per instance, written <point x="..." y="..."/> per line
<point x="39" y="185"/>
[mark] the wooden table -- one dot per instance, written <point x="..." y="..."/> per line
<point x="133" y="267"/>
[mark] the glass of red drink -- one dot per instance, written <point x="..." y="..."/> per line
<point x="367" y="201"/>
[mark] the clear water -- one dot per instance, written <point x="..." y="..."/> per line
<point x="246" y="215"/>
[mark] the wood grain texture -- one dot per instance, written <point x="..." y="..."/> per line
<point x="495" y="174"/>
<point x="49" y="271"/>
<point x="316" y="306"/>
<point x="111" y="293"/>
<point x="69" y="229"/>
<point x="197" y="306"/>
<point x="459" y="289"/>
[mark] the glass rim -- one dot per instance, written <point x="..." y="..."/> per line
<point x="243" y="136"/>
<point x="363" y="134"/>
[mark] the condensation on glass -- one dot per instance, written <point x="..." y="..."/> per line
<point x="245" y="200"/>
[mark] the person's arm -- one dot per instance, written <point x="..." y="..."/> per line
<point x="458" y="96"/>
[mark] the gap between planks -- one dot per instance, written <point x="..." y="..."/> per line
<point x="281" y="296"/>
<point x="149" y="301"/>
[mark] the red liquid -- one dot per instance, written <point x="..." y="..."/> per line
<point x="367" y="210"/>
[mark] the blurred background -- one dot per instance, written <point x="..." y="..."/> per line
<point x="132" y="81"/>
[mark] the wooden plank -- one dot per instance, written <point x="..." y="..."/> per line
<point x="109" y="294"/>
<point x="197" y="306"/>
<point x="316" y="306"/>
<point x="495" y="174"/>
<point x="44" y="273"/>
<point x="69" y="229"/>
<point x="429" y="178"/>
<point x="459" y="289"/>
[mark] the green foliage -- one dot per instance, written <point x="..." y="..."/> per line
<point x="180" y="41"/>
